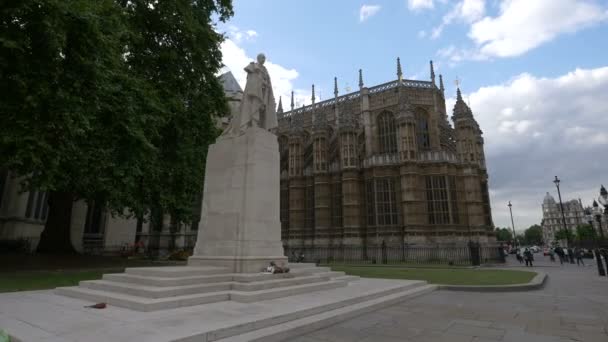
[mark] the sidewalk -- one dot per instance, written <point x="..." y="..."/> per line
<point x="573" y="306"/>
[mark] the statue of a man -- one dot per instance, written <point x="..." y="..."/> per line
<point x="257" y="106"/>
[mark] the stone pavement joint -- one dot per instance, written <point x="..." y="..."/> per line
<point x="572" y="306"/>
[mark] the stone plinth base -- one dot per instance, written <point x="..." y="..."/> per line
<point x="250" y="264"/>
<point x="240" y="227"/>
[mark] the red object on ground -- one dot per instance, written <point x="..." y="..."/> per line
<point x="97" y="306"/>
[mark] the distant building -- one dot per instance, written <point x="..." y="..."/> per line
<point x="383" y="164"/>
<point x="553" y="220"/>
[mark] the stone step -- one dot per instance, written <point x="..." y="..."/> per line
<point x="251" y="277"/>
<point x="418" y="287"/>
<point x="164" y="281"/>
<point x="295" y="265"/>
<point x="347" y="278"/>
<point x="176" y="271"/>
<point x="274" y="283"/>
<point x="331" y="274"/>
<point x="154" y="291"/>
<point x="255" y="296"/>
<point x="310" y="323"/>
<point x="139" y="303"/>
<point x="310" y="270"/>
<point x="172" y="291"/>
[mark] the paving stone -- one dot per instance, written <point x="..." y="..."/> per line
<point x="338" y="334"/>
<point x="442" y="337"/>
<point x="472" y="322"/>
<point x="464" y="329"/>
<point x="573" y="306"/>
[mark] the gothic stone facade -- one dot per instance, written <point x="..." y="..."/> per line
<point x="385" y="165"/>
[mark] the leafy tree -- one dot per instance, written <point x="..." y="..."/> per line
<point x="585" y="232"/>
<point x="109" y="101"/>
<point x="503" y="234"/>
<point x="175" y="48"/>
<point x="534" y="235"/>
<point x="563" y="234"/>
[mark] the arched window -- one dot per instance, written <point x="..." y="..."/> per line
<point x="422" y="130"/>
<point x="386" y="133"/>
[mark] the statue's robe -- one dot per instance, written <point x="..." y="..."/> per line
<point x="258" y="105"/>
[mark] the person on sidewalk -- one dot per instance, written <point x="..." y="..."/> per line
<point x="552" y="254"/>
<point x="571" y="255"/>
<point x="519" y="256"/>
<point x="579" y="256"/>
<point x="528" y="257"/>
<point x="560" y="253"/>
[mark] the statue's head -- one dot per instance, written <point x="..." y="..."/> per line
<point x="261" y="58"/>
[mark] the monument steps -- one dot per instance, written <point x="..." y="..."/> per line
<point x="176" y="271"/>
<point x="164" y="281"/>
<point x="268" y="284"/>
<point x="255" y="296"/>
<point x="139" y="303"/>
<point x="154" y="291"/>
<point x="152" y="280"/>
<point x="171" y="291"/>
<point x="347" y="278"/>
<point x="311" y="269"/>
<point x="293" y="328"/>
<point x="290" y="324"/>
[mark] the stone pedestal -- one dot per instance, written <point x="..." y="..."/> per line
<point x="240" y="227"/>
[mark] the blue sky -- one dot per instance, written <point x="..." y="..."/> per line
<point x="534" y="71"/>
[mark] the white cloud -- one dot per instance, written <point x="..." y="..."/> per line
<point x="236" y="59"/>
<point x="523" y="25"/>
<point x="238" y="35"/>
<point x="536" y="128"/>
<point x="421" y="34"/>
<point x="520" y="25"/>
<point x="367" y="11"/>
<point x="416" y="5"/>
<point x="466" y="11"/>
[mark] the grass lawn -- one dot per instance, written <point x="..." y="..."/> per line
<point x="39" y="272"/>
<point x="459" y="276"/>
<point x="40" y="280"/>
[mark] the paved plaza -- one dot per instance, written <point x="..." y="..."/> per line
<point x="573" y="306"/>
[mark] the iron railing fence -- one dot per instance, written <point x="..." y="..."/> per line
<point x="447" y="255"/>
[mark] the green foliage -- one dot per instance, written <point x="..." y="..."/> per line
<point x="111" y="100"/>
<point x="563" y="234"/>
<point x="503" y="234"/>
<point x="533" y="235"/>
<point x="585" y="232"/>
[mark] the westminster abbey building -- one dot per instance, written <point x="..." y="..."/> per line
<point x="383" y="165"/>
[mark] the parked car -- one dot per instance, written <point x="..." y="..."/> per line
<point x="546" y="251"/>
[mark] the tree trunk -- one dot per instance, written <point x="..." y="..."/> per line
<point x="55" y="237"/>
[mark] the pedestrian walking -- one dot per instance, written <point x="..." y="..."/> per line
<point x="571" y="255"/>
<point x="560" y="254"/>
<point x="528" y="257"/>
<point x="519" y="256"/>
<point x="579" y="256"/>
<point x="552" y="254"/>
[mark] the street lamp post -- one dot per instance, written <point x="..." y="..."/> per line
<point x="598" y="258"/>
<point x="561" y="205"/>
<point x="512" y="224"/>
